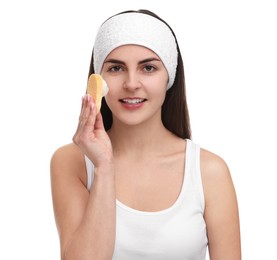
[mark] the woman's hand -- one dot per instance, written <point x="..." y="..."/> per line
<point x="91" y="136"/>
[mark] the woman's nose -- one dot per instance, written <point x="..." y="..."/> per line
<point x="132" y="81"/>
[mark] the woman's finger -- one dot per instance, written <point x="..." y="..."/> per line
<point x="85" y="109"/>
<point x="84" y="114"/>
<point x="99" y="122"/>
<point x="89" y="124"/>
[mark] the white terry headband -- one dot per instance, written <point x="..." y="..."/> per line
<point x="140" y="29"/>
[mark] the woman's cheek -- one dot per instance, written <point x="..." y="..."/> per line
<point x="110" y="99"/>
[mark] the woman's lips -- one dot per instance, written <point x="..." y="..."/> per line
<point x="132" y="103"/>
<point x="132" y="100"/>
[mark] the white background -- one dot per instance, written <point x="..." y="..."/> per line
<point x="229" y="51"/>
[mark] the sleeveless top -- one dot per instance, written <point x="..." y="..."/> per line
<point x="175" y="233"/>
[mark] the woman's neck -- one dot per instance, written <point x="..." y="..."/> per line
<point x="139" y="140"/>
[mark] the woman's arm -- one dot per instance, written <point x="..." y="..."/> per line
<point x="221" y="209"/>
<point x="85" y="221"/>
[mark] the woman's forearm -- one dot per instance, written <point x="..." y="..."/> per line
<point x="95" y="237"/>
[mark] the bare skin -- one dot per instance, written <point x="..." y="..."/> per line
<point x="86" y="221"/>
<point x="221" y="208"/>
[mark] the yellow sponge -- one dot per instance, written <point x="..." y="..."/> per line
<point x="97" y="88"/>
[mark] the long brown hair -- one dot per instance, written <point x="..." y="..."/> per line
<point x="175" y="115"/>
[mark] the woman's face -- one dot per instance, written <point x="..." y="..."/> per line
<point x="137" y="81"/>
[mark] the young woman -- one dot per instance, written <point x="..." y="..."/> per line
<point x="133" y="185"/>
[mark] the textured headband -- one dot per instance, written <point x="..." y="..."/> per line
<point x="140" y="29"/>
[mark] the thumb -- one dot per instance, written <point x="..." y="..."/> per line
<point x="91" y="119"/>
<point x="99" y="124"/>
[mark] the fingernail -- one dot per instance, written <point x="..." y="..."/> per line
<point x="92" y="105"/>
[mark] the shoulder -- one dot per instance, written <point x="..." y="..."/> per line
<point x="66" y="151"/>
<point x="212" y="165"/>
<point x="217" y="181"/>
<point x="68" y="160"/>
<point x="216" y="176"/>
<point x="221" y="207"/>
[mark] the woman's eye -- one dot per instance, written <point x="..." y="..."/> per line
<point x="115" y="68"/>
<point x="149" y="68"/>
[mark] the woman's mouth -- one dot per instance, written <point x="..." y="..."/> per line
<point x="132" y="101"/>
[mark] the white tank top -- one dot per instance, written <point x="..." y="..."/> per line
<point x="176" y="233"/>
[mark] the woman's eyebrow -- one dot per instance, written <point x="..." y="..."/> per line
<point x="115" y="61"/>
<point x="140" y="62"/>
<point x="149" y="60"/>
